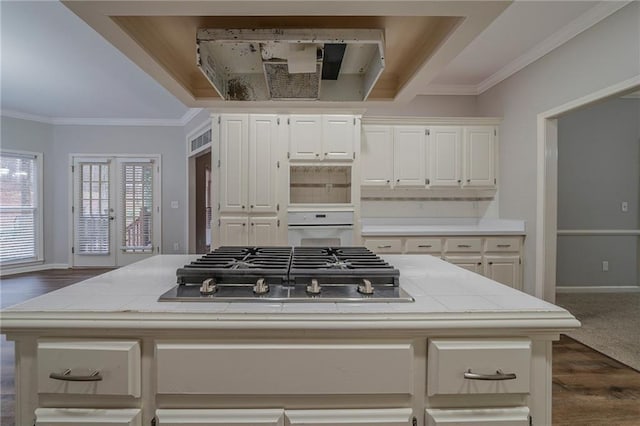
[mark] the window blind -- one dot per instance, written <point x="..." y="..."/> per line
<point x="94" y="225"/>
<point x="19" y="211"/>
<point x="137" y="201"/>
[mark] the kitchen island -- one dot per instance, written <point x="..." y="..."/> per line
<point x="467" y="350"/>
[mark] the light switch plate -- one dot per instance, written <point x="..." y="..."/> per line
<point x="624" y="206"/>
<point x="175" y="204"/>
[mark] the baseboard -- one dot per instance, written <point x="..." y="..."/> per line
<point x="33" y="268"/>
<point x="599" y="289"/>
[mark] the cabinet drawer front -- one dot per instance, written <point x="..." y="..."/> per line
<point x="272" y="369"/>
<point x="87" y="417"/>
<point x="503" y="244"/>
<point x="390" y="245"/>
<point x="504" y="364"/>
<point x="377" y="417"/>
<point x="479" y="417"/>
<point x="463" y="245"/>
<point x="424" y="245"/>
<point x="115" y="366"/>
<point x="221" y="417"/>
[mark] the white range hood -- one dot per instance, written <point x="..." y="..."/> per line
<point x="291" y="64"/>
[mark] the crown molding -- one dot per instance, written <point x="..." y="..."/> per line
<point x="569" y="31"/>
<point x="71" y="121"/>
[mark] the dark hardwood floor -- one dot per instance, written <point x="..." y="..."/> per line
<point x="589" y="389"/>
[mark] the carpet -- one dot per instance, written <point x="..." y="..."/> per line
<point x="610" y="323"/>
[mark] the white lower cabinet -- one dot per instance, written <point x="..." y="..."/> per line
<point x="88" y="417"/>
<point x="503" y="268"/>
<point x="249" y="230"/>
<point x="220" y="417"/>
<point x="469" y="262"/>
<point x="478" y="417"/>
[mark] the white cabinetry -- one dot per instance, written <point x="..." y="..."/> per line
<point x="220" y="417"/>
<point x="249" y="171"/>
<point x="377" y="155"/>
<point x="373" y="416"/>
<point x="496" y="257"/>
<point x="87" y="417"/>
<point x="321" y="137"/>
<point x="409" y="156"/>
<point x="429" y="156"/>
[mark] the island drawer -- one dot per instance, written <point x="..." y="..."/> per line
<point x="478" y="366"/>
<point x="423" y="245"/>
<point x="463" y="245"/>
<point x="503" y="244"/>
<point x="88" y="417"/>
<point x="518" y="416"/>
<point x="283" y="368"/>
<point x="89" y="367"/>
<point x="384" y="245"/>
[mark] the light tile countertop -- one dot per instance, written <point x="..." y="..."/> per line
<point x="442" y="292"/>
<point x="440" y="226"/>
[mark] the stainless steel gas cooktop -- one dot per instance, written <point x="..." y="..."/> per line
<point x="288" y="274"/>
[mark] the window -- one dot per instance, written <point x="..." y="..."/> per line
<point x="93" y="219"/>
<point x="137" y="198"/>
<point x="20" y="207"/>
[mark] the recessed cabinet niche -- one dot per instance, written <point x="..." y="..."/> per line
<point x="428" y="157"/>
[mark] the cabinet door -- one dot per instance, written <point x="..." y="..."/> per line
<point x="377" y="155"/>
<point x="221" y="417"/>
<point x="471" y="263"/>
<point x="233" y="163"/>
<point x="503" y="268"/>
<point x="263" y="168"/>
<point x="409" y="156"/>
<point x="445" y="156"/>
<point x="87" y="417"/>
<point x="338" y="132"/>
<point x="263" y="231"/>
<point x="479" y="154"/>
<point x="371" y="416"/>
<point x="305" y="137"/>
<point x="233" y="231"/>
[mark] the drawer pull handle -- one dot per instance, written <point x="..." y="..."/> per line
<point x="464" y="246"/>
<point x="389" y="246"/>
<point x="504" y="245"/>
<point x="498" y="376"/>
<point x="425" y="245"/>
<point x="66" y="376"/>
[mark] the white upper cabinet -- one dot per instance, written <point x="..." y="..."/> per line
<point x="479" y="156"/>
<point x="263" y="163"/>
<point x="321" y="137"/>
<point x="305" y="137"/>
<point x="409" y="156"/>
<point x="234" y="137"/>
<point x="338" y="133"/>
<point x="377" y="155"/>
<point x="446" y="156"/>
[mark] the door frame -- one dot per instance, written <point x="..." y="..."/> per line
<point x="547" y="184"/>
<point x="157" y="227"/>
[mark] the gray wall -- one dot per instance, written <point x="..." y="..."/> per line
<point x="601" y="56"/>
<point x="427" y="106"/>
<point x="58" y="142"/>
<point x="598" y="168"/>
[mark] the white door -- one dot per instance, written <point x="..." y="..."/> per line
<point x="233" y="231"/>
<point x="233" y="163"/>
<point x="377" y="155"/>
<point x="445" y="165"/>
<point x="470" y="263"/>
<point x="305" y="137"/>
<point x="503" y="268"/>
<point x="116" y="210"/>
<point x="263" y="163"/>
<point x="409" y="156"/>
<point x="263" y="231"/>
<point x="479" y="156"/>
<point x="338" y="132"/>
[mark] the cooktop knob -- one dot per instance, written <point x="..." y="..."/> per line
<point x="208" y="287"/>
<point x="314" y="288"/>
<point x="261" y="287"/>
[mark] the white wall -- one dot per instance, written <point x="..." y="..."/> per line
<point x="58" y="142"/>
<point x="601" y="56"/>
<point x="427" y="106"/>
<point x="598" y="168"/>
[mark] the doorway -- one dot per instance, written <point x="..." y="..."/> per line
<point x="203" y="212"/>
<point x="115" y="210"/>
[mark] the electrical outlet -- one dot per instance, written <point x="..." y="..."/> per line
<point x="176" y="246"/>
<point x="624" y="206"/>
<point x="605" y="266"/>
